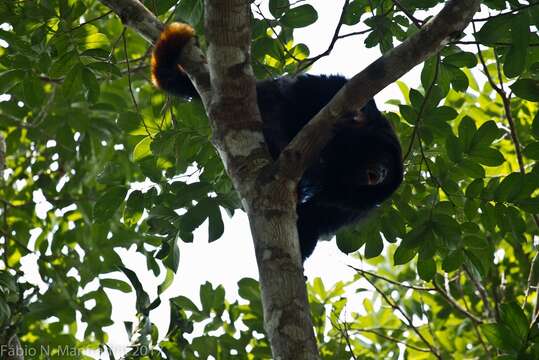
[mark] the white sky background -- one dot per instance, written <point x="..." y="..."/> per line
<point x="232" y="257"/>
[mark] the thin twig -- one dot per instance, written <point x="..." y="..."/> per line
<point x="529" y="283"/>
<point x="413" y="287"/>
<point x="447" y="296"/>
<point x="392" y="339"/>
<point x="130" y="84"/>
<point x="480" y="290"/>
<point x="469" y="42"/>
<point x="92" y="20"/>
<point x="344" y="332"/>
<point x="410" y="324"/>
<point x="277" y="35"/>
<point x="361" y="32"/>
<point x="311" y="61"/>
<point x="512" y="11"/>
<point x="408" y="14"/>
<point x="474" y="324"/>
<point x="42" y="115"/>
<point x="422" y="108"/>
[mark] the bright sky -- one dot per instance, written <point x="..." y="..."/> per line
<point x="232" y="257"/>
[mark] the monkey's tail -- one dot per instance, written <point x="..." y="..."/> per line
<point x="167" y="74"/>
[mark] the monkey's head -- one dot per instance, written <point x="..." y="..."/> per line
<point x="372" y="171"/>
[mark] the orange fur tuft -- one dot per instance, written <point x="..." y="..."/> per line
<point x="168" y="48"/>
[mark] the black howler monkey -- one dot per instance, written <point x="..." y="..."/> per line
<point x="357" y="170"/>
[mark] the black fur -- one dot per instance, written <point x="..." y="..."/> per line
<point x="335" y="191"/>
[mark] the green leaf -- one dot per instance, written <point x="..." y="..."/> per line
<point x="510" y="187"/>
<point x="167" y="281"/>
<point x="445" y="226"/>
<point x="195" y="216"/>
<point x="475" y="188"/>
<point x="5" y="312"/>
<point x="353" y="12"/>
<point x="495" y="29"/>
<point x="426" y="269"/>
<point x="64" y="64"/>
<point x="300" y="16"/>
<point x="459" y="80"/>
<point x="206" y="296"/>
<point x="116" y="284"/>
<point x="172" y="261"/>
<point x="278" y="7"/>
<point x="91" y="84"/>
<point x="532" y="151"/>
<point x="442" y="113"/>
<point x="445" y="76"/>
<point x="408" y="113"/>
<point x="488" y="156"/>
<point x="416" y="99"/>
<point x="134" y="208"/>
<point x="514" y="318"/>
<point x="454" y="148"/>
<point x="105" y="69"/>
<point x="467" y="131"/>
<point x="107" y="204"/>
<point x="95" y="41"/>
<point x="249" y="289"/>
<point x="494" y="334"/>
<point x="404" y="255"/>
<point x="215" y="224"/>
<point x="374" y="246"/>
<point x="529" y="205"/>
<point x="185" y="303"/>
<point x="453" y="261"/>
<point x="535" y="125"/>
<point x="473" y="241"/>
<point x="190" y="11"/>
<point x="461" y="59"/>
<point x="515" y="59"/>
<point x="348" y="240"/>
<point x="143" y="300"/>
<point x="163" y="143"/>
<point x="477" y="262"/>
<point x="128" y="121"/>
<point x="10" y="78"/>
<point x="527" y="89"/>
<point x="112" y="174"/>
<point x="142" y="149"/>
<point x="428" y="72"/>
<point x="73" y="81"/>
<point x="33" y="91"/>
<point x="472" y="169"/>
<point x="486" y="134"/>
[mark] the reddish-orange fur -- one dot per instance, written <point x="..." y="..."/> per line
<point x="171" y="41"/>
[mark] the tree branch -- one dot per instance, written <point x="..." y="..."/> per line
<point x="433" y="35"/>
<point x="135" y="15"/>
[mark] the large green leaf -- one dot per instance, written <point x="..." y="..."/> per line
<point x="301" y="16"/>
<point x="107" y="204"/>
<point x="527" y="89"/>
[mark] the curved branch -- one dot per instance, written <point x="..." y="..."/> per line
<point x="433" y="35"/>
<point x="135" y="15"/>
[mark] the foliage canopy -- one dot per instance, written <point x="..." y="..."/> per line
<point x="97" y="160"/>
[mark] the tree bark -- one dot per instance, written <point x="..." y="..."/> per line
<point x="269" y="202"/>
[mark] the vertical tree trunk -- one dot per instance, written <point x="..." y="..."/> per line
<point x="270" y="202"/>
